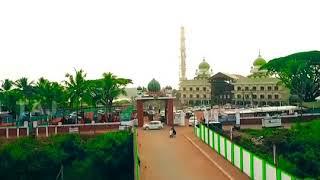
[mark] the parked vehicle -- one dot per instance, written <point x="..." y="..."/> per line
<point x="193" y="121"/>
<point x="153" y="125"/>
<point x="214" y="125"/>
<point x="271" y="122"/>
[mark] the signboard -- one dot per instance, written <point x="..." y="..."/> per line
<point x="74" y="130"/>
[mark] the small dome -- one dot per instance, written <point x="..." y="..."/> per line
<point x="139" y="88"/>
<point x="154" y="86"/>
<point x="259" y="62"/>
<point x="204" y="65"/>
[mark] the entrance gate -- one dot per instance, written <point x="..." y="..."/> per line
<point x="168" y="109"/>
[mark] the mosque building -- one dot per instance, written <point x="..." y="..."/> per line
<point x="259" y="88"/>
<point x="196" y="91"/>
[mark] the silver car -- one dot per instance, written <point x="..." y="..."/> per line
<point x="153" y="125"/>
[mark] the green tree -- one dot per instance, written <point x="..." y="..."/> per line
<point x="26" y="90"/>
<point x="4" y="91"/>
<point x="48" y="93"/>
<point x="112" y="87"/>
<point x="300" y="72"/>
<point x="76" y="85"/>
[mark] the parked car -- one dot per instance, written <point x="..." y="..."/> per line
<point x="151" y="112"/>
<point x="153" y="125"/>
<point x="100" y="111"/>
<point x="193" y="121"/>
<point x="214" y="125"/>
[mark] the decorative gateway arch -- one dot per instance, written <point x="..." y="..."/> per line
<point x="153" y="93"/>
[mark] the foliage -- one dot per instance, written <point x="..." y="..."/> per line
<point x="111" y="88"/>
<point x="300" y="72"/>
<point x="107" y="156"/>
<point x="76" y="86"/>
<point x="297" y="148"/>
<point x="46" y="96"/>
<point x="48" y="93"/>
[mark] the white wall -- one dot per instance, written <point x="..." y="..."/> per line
<point x="222" y="148"/>
<point x="257" y="163"/>
<point x="229" y="150"/>
<point x="216" y="141"/>
<point x="246" y="162"/>
<point x="271" y="172"/>
<point x="237" y="156"/>
<point x="210" y="138"/>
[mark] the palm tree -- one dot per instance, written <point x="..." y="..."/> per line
<point x="9" y="96"/>
<point x="27" y="91"/>
<point x="48" y="93"/>
<point x="76" y="87"/>
<point x="6" y="85"/>
<point x="5" y="88"/>
<point x="112" y="87"/>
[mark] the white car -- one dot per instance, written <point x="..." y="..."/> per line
<point x="192" y="121"/>
<point x="153" y="125"/>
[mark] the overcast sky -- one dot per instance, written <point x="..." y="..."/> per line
<point x="140" y="39"/>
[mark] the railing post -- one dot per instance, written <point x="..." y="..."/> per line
<point x="7" y="133"/>
<point x="55" y="130"/>
<point x="47" y="133"/>
<point x="27" y="131"/>
<point x="37" y="132"/>
<point x="17" y="131"/>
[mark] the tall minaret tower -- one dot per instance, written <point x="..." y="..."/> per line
<point x="182" y="55"/>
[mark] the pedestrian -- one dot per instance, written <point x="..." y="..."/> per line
<point x="171" y="133"/>
<point x="174" y="131"/>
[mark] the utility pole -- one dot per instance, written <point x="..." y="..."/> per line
<point x="274" y="155"/>
<point x="231" y="133"/>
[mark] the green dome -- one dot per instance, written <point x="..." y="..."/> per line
<point x="259" y="61"/>
<point x="154" y="86"/>
<point x="204" y="65"/>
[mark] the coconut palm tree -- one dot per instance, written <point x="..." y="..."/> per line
<point x="26" y="89"/>
<point x="9" y="96"/>
<point x="5" y="88"/>
<point x="112" y="87"/>
<point x="76" y="87"/>
<point x="48" y="93"/>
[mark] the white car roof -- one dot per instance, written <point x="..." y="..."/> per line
<point x="156" y="121"/>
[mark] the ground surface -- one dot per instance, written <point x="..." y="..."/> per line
<point x="164" y="158"/>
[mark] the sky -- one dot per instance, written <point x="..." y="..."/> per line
<point x="140" y="39"/>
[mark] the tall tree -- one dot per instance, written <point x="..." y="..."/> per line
<point x="299" y="72"/>
<point x="9" y="96"/>
<point x="76" y="86"/>
<point x="4" y="92"/>
<point x="112" y="87"/>
<point x="48" y="93"/>
<point x="26" y="90"/>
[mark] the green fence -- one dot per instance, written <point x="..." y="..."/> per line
<point x="247" y="162"/>
<point x="136" y="156"/>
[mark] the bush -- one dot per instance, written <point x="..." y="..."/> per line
<point x="107" y="156"/>
<point x="297" y="148"/>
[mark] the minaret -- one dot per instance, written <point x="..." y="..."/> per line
<point x="182" y="55"/>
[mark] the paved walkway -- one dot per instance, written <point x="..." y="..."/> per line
<point x="164" y="158"/>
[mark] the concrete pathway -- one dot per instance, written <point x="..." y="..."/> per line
<point x="181" y="158"/>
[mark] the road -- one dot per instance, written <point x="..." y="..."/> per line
<point x="164" y="158"/>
